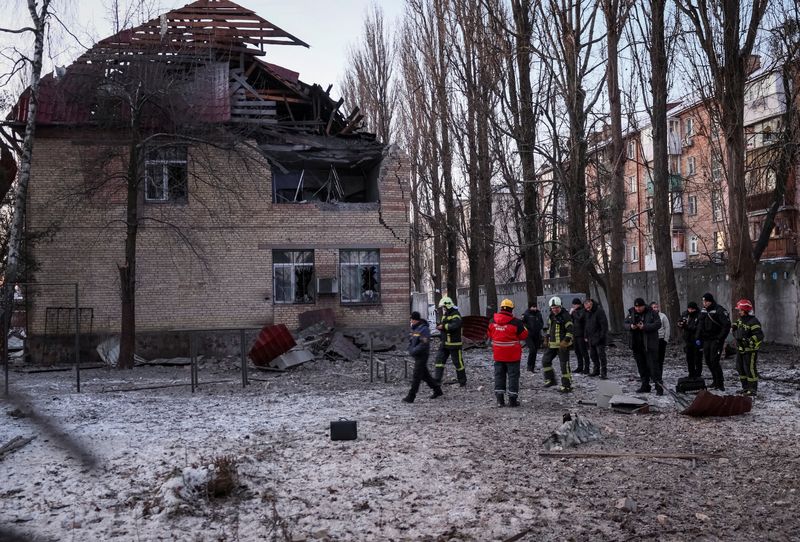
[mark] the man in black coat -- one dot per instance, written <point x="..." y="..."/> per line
<point x="694" y="355"/>
<point x="643" y="324"/>
<point x="578" y="315"/>
<point x="532" y="318"/>
<point x="596" y="333"/>
<point x="713" y="327"/>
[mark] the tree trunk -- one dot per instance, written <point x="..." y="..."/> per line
<point x="662" y="231"/>
<point x="127" y="272"/>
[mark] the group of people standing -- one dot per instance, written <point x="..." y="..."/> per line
<point x="585" y="327"/>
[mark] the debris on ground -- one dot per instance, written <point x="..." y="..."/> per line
<point x="13" y="445"/>
<point x="628" y="405"/>
<point x="292" y="358"/>
<point x="380" y="340"/>
<point x="474" y="331"/>
<point x="272" y="341"/>
<point x="575" y="430"/>
<point x="343" y="347"/>
<point x="710" y="404"/>
<point x="108" y="351"/>
<point x="626" y="504"/>
<point x="325" y="317"/>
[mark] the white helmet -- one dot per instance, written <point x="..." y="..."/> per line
<point x="555" y="301"/>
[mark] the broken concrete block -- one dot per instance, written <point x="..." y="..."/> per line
<point x="626" y="504"/>
<point x="292" y="358"/>
<point x="271" y="342"/>
<point x="605" y="391"/>
<point x="575" y="430"/>
<point x="343" y="347"/>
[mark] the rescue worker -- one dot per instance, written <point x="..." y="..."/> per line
<point x="749" y="336"/>
<point x="664" y="333"/>
<point x="419" y="346"/>
<point x="578" y="315"/>
<point x="558" y="341"/>
<point x="644" y="324"/>
<point x="506" y="332"/>
<point x="450" y="328"/>
<point x="532" y="318"/>
<point x="713" y="327"/>
<point x="694" y="355"/>
<point x="596" y="333"/>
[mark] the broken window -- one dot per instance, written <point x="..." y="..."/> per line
<point x="326" y="184"/>
<point x="293" y="276"/>
<point x="166" y="174"/>
<point x="360" y="276"/>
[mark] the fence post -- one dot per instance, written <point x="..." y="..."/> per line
<point x="244" y="358"/>
<point x="77" y="340"/>
<point x="193" y="361"/>
<point x="371" y="366"/>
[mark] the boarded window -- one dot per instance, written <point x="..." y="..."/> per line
<point x="166" y="175"/>
<point x="360" y="272"/>
<point x="293" y="276"/>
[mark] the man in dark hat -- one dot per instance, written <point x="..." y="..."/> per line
<point x="578" y="315"/>
<point x="419" y="346"/>
<point x="713" y="326"/>
<point x="643" y="324"/>
<point x="694" y="355"/>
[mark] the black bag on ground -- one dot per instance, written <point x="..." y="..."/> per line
<point x="344" y="429"/>
<point x="690" y="383"/>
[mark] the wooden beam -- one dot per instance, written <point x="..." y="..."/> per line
<point x="631" y="455"/>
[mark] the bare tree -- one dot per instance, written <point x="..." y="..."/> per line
<point x="726" y="47"/>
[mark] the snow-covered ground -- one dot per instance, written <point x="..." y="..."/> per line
<point x="454" y="468"/>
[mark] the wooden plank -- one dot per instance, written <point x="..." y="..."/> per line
<point x="253" y="103"/>
<point x="632" y="455"/>
<point x="265" y="112"/>
<point x="246" y="120"/>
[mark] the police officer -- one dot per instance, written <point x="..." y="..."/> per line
<point x="713" y="327"/>
<point x="749" y="336"/>
<point x="694" y="355"/>
<point x="450" y="328"/>
<point x="558" y="340"/>
<point x="532" y="318"/>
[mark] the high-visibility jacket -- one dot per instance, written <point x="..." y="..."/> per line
<point x="558" y="328"/>
<point x="506" y="332"/>
<point x="748" y="333"/>
<point x="451" y="322"/>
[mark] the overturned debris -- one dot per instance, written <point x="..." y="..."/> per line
<point x="575" y="430"/>
<point x="272" y="341"/>
<point x="710" y="404"/>
<point x="343" y="347"/>
<point x="292" y="358"/>
<point x="474" y="330"/>
<point x="108" y="351"/>
<point x="628" y="405"/>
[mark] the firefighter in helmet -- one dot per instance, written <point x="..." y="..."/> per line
<point x="451" y="343"/>
<point x="558" y="341"/>
<point x="749" y="336"/>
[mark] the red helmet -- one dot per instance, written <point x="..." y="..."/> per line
<point x="744" y="305"/>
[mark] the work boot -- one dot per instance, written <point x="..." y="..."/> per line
<point x="595" y="371"/>
<point x="565" y="389"/>
<point x="408" y="399"/>
<point x="644" y="388"/>
<point x="603" y="371"/>
<point x="512" y="401"/>
<point x="549" y="383"/>
<point x="579" y="370"/>
<point x="437" y="392"/>
<point x="659" y="390"/>
<point x="501" y="399"/>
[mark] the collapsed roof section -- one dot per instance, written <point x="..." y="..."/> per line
<point x="211" y="50"/>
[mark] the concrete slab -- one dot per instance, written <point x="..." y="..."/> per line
<point x="292" y="358"/>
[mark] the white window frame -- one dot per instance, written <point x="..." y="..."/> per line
<point x="364" y="259"/>
<point x="634" y="253"/>
<point x="691" y="205"/>
<point x="161" y="162"/>
<point x="716" y="206"/>
<point x="631" y="152"/>
<point x="633" y="184"/>
<point x="691" y="165"/>
<point x="693" y="245"/>
<point x="689" y="127"/>
<point x="676" y="202"/>
<point x="292" y="265"/>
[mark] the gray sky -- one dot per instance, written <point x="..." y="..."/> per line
<point x="328" y="26"/>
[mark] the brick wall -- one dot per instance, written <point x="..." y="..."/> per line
<point x="206" y="264"/>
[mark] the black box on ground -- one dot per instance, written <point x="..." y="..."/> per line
<point x="344" y="430"/>
<point x="690" y="383"/>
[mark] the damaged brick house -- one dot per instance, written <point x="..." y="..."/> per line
<point x="257" y="198"/>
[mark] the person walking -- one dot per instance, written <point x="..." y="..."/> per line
<point x="506" y="332"/>
<point x="749" y="336"/>
<point x="532" y="318"/>
<point x="578" y="315"/>
<point x="664" y="334"/>
<point x="713" y="326"/>
<point x="558" y="339"/>
<point x="450" y="328"/>
<point x="643" y="324"/>
<point x="694" y="355"/>
<point x="419" y="347"/>
<point x="596" y="333"/>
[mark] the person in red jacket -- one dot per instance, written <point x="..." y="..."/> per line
<point x="506" y="332"/>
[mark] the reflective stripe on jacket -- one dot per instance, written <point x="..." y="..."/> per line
<point x="506" y="332"/>
<point x="559" y="328"/>
<point x="451" y="322"/>
<point x="748" y="333"/>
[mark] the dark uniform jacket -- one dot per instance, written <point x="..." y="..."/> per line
<point x="688" y="323"/>
<point x="579" y="322"/>
<point x="647" y="337"/>
<point x="559" y="328"/>
<point x="748" y="333"/>
<point x="451" y="334"/>
<point x="419" y="343"/>
<point x="596" y="330"/>
<point x="534" y="322"/>
<point x="714" y="324"/>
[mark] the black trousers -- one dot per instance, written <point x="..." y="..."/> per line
<point x="547" y="365"/>
<point x="746" y="365"/>
<point x="599" y="360"/>
<point x="662" y="352"/>
<point x="421" y="374"/>
<point x="533" y="348"/>
<point x="650" y="370"/>
<point x="694" y="360"/>
<point x="506" y="370"/>
<point x="455" y="354"/>
<point x="582" y="353"/>
<point x="712" y="352"/>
